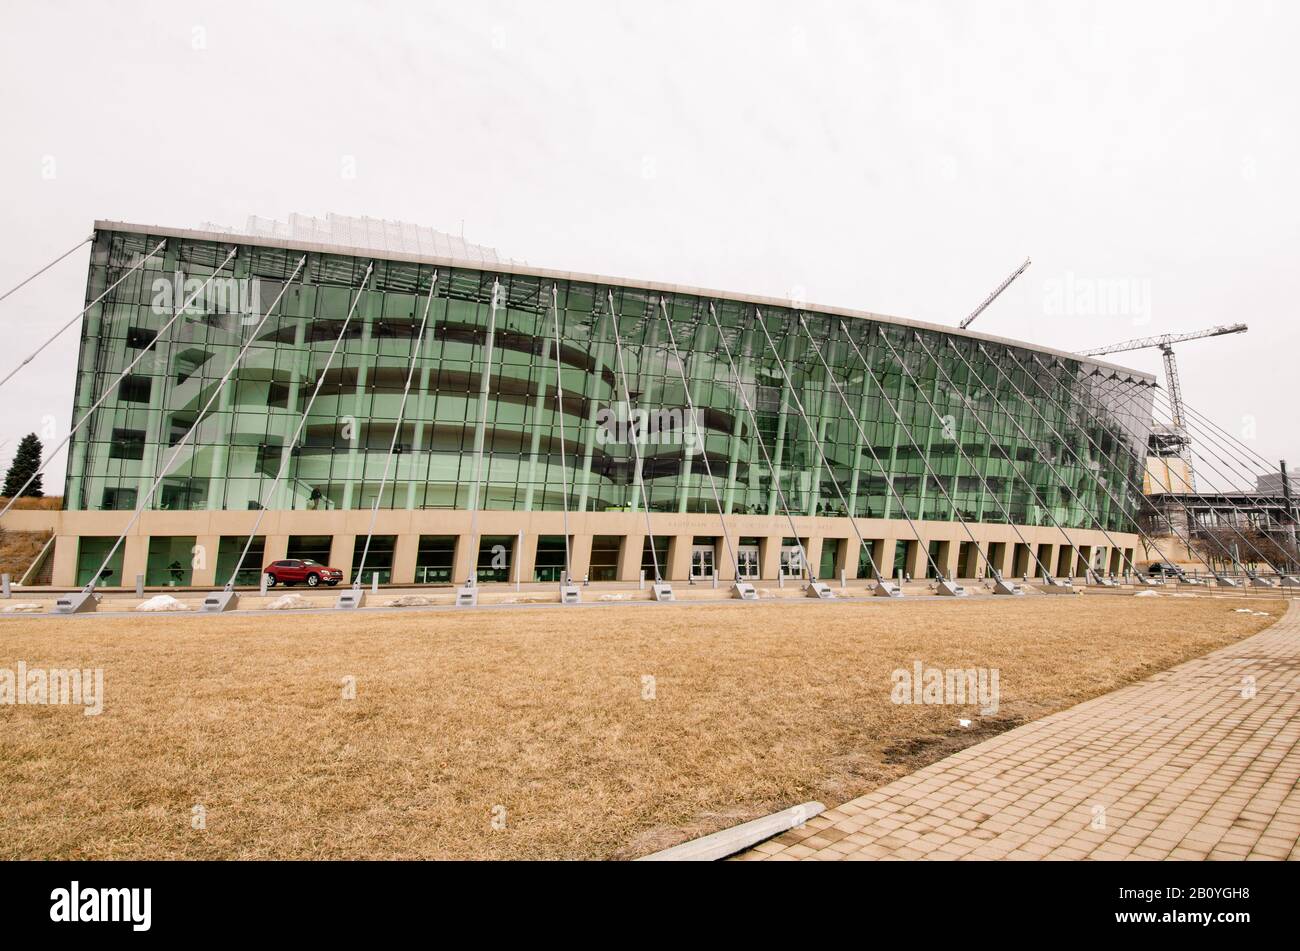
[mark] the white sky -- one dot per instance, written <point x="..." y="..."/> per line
<point x="895" y="157"/>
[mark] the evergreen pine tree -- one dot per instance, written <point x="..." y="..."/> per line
<point x="26" y="461"/>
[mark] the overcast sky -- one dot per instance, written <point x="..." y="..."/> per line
<point x="896" y="157"/>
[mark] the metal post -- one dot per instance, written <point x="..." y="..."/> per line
<point x="467" y="596"/>
<point x="1290" y="514"/>
<point x="663" y="591"/>
<point x="569" y="593"/>
<point x="814" y="589"/>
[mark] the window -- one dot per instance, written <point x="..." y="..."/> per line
<point x="127" y="444"/>
<point x="604" y="557"/>
<point x="379" y="560"/>
<point x="494" y="557"/>
<point x="549" y="563"/>
<point x="118" y="499"/>
<point x="315" y="547"/>
<point x="135" y="389"/>
<point x="228" y="555"/>
<point x="180" y="425"/>
<point x="435" y="559"/>
<point x="183" y="494"/>
<point x="171" y="561"/>
<point x="188" y="362"/>
<point x="91" y="552"/>
<point x="138" y="338"/>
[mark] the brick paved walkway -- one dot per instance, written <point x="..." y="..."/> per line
<point x="1179" y="766"/>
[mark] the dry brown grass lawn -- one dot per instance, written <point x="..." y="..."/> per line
<point x="47" y="503"/>
<point x="538" y="711"/>
<point x="19" y="549"/>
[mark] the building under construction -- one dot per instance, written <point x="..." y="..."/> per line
<point x="430" y="414"/>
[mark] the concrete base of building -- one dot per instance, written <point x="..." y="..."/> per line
<point x="950" y="589"/>
<point x="467" y="596"/>
<point x="887" y="589"/>
<point x="570" y="594"/>
<point x="820" y="589"/>
<point x="606" y="543"/>
<point x="744" y="591"/>
<point x="662" y="591"/>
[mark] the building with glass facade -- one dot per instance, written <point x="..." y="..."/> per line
<point x="951" y="450"/>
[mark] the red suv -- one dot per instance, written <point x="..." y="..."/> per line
<point x="292" y="570"/>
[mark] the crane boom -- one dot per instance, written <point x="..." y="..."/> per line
<point x="994" y="296"/>
<point x="1165" y="340"/>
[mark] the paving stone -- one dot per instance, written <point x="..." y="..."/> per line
<point x="1183" y="765"/>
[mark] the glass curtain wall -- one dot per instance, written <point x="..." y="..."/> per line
<point x="232" y="459"/>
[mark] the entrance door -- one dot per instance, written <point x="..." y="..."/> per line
<point x="702" y="561"/>
<point x="791" y="561"/>
<point x="747" y="561"/>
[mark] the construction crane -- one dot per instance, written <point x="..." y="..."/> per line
<point x="994" y="296"/>
<point x="1172" y="441"/>
<point x="1165" y="342"/>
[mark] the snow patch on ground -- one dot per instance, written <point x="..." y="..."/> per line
<point x="1147" y="594"/>
<point x="411" y="601"/>
<point x="288" y="602"/>
<point x="163" y="602"/>
<point x="25" y="606"/>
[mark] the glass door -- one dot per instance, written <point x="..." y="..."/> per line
<point x="702" y="561"/>
<point x="747" y="561"/>
<point x="791" y="561"/>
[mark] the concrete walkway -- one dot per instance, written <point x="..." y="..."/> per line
<point x="1188" y="764"/>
